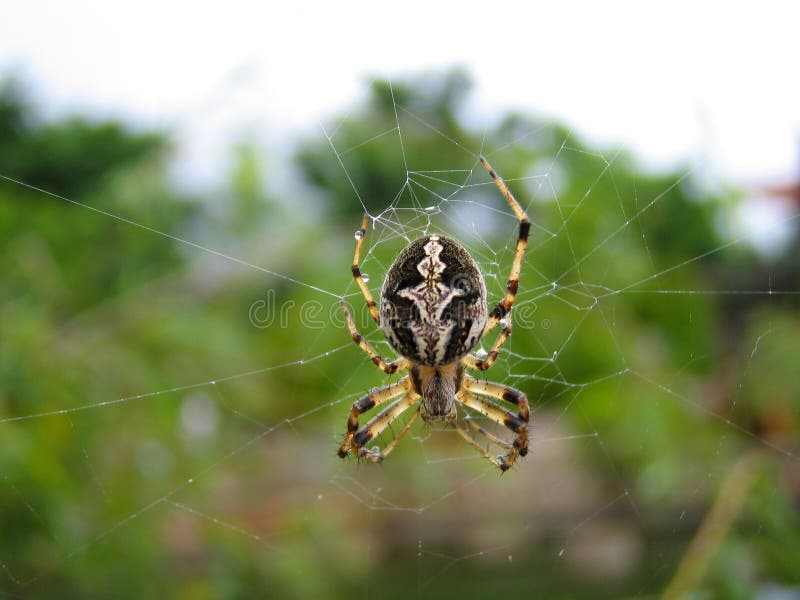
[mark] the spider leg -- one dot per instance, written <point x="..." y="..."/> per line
<point x="501" y="392"/>
<point x="360" y="235"/>
<point x="379" y="423"/>
<point x="500" y="464"/>
<point x="489" y="435"/>
<point x="482" y="364"/>
<point x="390" y="446"/>
<point x="374" y="398"/>
<point x="516" y="423"/>
<point x="502" y="307"/>
<point x="389" y="368"/>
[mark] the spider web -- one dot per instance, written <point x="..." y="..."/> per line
<point x="241" y="484"/>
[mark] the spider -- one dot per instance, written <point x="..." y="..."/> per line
<point x="433" y="311"/>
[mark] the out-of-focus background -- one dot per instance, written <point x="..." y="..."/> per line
<point x="178" y="195"/>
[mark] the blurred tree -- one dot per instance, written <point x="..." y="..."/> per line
<point x="94" y="309"/>
<point x="102" y="165"/>
<point x="67" y="316"/>
<point x="367" y="144"/>
<point x="73" y="155"/>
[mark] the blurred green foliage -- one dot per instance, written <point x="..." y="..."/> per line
<point x="117" y="327"/>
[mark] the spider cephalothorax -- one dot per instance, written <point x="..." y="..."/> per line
<point x="433" y="312"/>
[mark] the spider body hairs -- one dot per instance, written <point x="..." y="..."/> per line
<point x="433" y="311"/>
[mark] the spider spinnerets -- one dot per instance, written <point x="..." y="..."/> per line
<point x="433" y="312"/>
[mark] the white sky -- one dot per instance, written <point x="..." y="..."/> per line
<point x="676" y="81"/>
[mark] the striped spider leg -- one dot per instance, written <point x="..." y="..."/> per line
<point x="353" y="441"/>
<point x="471" y="396"/>
<point x="501" y="314"/>
<point x="504" y="305"/>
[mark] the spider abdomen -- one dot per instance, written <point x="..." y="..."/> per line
<point x="433" y="302"/>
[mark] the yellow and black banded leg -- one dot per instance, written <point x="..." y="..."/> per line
<point x="375" y="398"/>
<point x="482" y="364"/>
<point x="501" y="392"/>
<point x="389" y="368"/>
<point x="502" y="307"/>
<point x="379" y="423"/>
<point x="360" y="235"/>
<point x="499" y="415"/>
